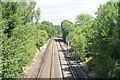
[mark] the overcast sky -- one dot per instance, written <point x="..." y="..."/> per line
<point x="56" y="11"/>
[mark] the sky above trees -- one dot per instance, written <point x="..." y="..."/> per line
<point x="56" y="11"/>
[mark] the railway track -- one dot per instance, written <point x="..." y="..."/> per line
<point x="80" y="67"/>
<point x="43" y="60"/>
<point x="49" y="63"/>
<point x="74" y="66"/>
<point x="57" y="64"/>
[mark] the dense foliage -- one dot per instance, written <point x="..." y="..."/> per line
<point x="20" y="36"/>
<point x="41" y="38"/>
<point x="49" y="28"/>
<point x="96" y="41"/>
<point x="83" y="18"/>
<point x="67" y="27"/>
<point x="106" y="42"/>
<point x="58" y="30"/>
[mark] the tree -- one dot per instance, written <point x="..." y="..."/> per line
<point x="18" y="34"/>
<point x="37" y="15"/>
<point x="106" y="41"/>
<point x="48" y="27"/>
<point x="58" y="30"/>
<point x="67" y="27"/>
<point x="42" y="37"/>
<point x="81" y="37"/>
<point x="84" y="19"/>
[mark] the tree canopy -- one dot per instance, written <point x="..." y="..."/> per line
<point x="67" y="27"/>
<point x="84" y="19"/>
<point x="96" y="40"/>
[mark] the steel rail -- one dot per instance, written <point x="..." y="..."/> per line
<point x="73" y="70"/>
<point x="43" y="58"/>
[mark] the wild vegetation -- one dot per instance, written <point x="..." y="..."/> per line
<point x="21" y="36"/>
<point x="96" y="40"/>
<point x="51" y="29"/>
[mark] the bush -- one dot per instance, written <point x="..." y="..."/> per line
<point x="42" y="37"/>
<point x="17" y="51"/>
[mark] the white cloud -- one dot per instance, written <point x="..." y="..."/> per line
<point x="56" y="11"/>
